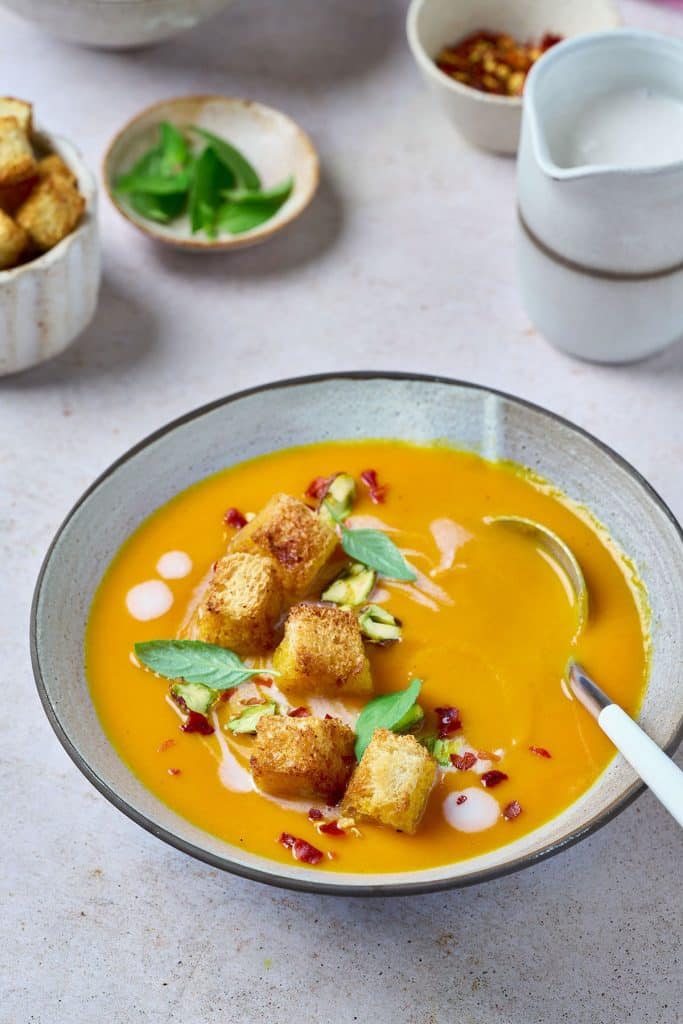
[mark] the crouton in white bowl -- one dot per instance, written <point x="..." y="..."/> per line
<point x="115" y="24"/>
<point x="49" y="248"/>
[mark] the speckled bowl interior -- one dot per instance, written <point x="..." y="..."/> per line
<point x="308" y="410"/>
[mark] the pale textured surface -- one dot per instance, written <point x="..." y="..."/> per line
<point x="405" y="260"/>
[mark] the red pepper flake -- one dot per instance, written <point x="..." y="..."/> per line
<point x="449" y="721"/>
<point x="541" y="751"/>
<point x="512" y="810"/>
<point x="301" y="850"/>
<point x="464" y="763"/>
<point x="165" y="745"/>
<point x="315" y="815"/>
<point x="263" y="681"/>
<point x="377" y="491"/>
<point x="487" y="755"/>
<point x="197" y="723"/>
<point x="462" y="799"/>
<point x="301" y="712"/>
<point x="233" y="517"/>
<point x="330" y="718"/>
<point x="174" y="771"/>
<point x="493" y="778"/>
<point x="318" y="488"/>
<point x="331" y="828"/>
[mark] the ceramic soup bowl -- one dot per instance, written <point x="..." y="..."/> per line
<point x="306" y="410"/>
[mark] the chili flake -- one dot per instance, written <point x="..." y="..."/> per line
<point x="301" y="850"/>
<point x="512" y="810"/>
<point x="465" y="762"/>
<point x="493" y="778"/>
<point x="233" y="517"/>
<point x="449" y="721"/>
<point x="301" y="712"/>
<point x="377" y="491"/>
<point x="541" y="751"/>
<point x="493" y="62"/>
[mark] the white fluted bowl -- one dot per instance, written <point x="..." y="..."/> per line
<point x="115" y="24"/>
<point x="47" y="303"/>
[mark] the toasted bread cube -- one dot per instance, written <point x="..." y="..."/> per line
<point x="21" y="111"/>
<point x="303" y="758"/>
<point x="51" y="212"/>
<point x="292" y="535"/>
<point x="12" y="196"/>
<point x="13" y="241"/>
<point x="241" y="605"/>
<point x="17" y="161"/>
<point x="53" y="166"/>
<point x="322" y="652"/>
<point x="392" y="783"/>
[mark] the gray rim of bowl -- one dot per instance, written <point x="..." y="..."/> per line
<point x="272" y="877"/>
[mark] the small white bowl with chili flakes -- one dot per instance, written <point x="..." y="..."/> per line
<point x="475" y="54"/>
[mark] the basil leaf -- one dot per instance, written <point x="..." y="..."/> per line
<point x="385" y="712"/>
<point x="240" y="218"/>
<point x="196" y="662"/>
<point x="211" y="177"/>
<point x="159" y="208"/>
<point x="174" y="149"/>
<point x="249" y="196"/>
<point x="232" y="159"/>
<point x="155" y="184"/>
<point x="374" y="549"/>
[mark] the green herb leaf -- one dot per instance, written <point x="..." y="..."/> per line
<point x="249" y="196"/>
<point x="239" y="166"/>
<point x="250" y="209"/>
<point x="441" y="750"/>
<point x="375" y="549"/>
<point x="169" y="161"/>
<point x="155" y="184"/>
<point x="211" y="178"/>
<point x="248" y="719"/>
<point x="385" y="712"/>
<point x="196" y="662"/>
<point x="175" y="151"/>
<point x="159" y="208"/>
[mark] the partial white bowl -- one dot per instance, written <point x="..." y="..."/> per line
<point x="115" y="24"/>
<point x="271" y="141"/>
<point x="47" y="303"/>
<point x="488" y="121"/>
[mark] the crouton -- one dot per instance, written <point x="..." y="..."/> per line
<point x="13" y="242"/>
<point x="53" y="166"/>
<point x="392" y="783"/>
<point x="292" y="535"/>
<point x="12" y="196"/>
<point x="322" y="652"/>
<point x="21" y="111"/>
<point x="241" y="605"/>
<point x="17" y="161"/>
<point x="303" y="758"/>
<point x="51" y="212"/>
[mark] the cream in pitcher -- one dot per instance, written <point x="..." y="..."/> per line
<point x="600" y="193"/>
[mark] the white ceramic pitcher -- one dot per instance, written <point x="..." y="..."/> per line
<point x="600" y="245"/>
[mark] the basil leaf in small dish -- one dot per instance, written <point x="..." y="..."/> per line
<point x="196" y="662"/>
<point x="242" y="171"/>
<point x="390" y="711"/>
<point x="211" y="177"/>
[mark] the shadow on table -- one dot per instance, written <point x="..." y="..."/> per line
<point x="311" y="44"/>
<point x="303" y="242"/>
<point x="122" y="334"/>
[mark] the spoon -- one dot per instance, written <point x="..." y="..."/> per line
<point x="657" y="770"/>
<point x="560" y="553"/>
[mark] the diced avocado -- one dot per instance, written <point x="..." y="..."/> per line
<point x="411" y="721"/>
<point x="338" y="500"/>
<point x="441" y="750"/>
<point x="248" y="719"/>
<point x="351" y="587"/>
<point x="378" y="625"/>
<point x="195" y="696"/>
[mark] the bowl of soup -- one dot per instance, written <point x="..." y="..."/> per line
<point x="289" y="635"/>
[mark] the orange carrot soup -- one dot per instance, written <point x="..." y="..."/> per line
<point x="335" y="654"/>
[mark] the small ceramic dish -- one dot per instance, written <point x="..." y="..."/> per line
<point x="486" y="120"/>
<point x="369" y="405"/>
<point x="115" y="24"/>
<point x="271" y="141"/>
<point x="46" y="303"/>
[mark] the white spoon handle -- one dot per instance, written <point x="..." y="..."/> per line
<point x="663" y="777"/>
